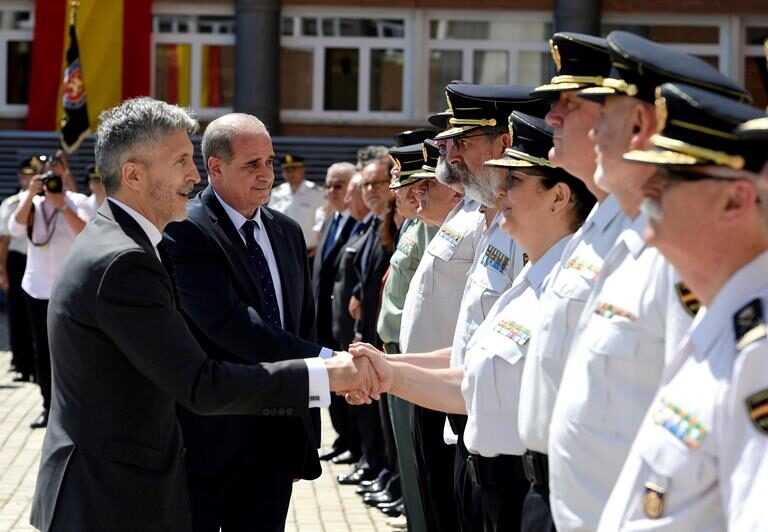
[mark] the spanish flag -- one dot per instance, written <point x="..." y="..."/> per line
<point x="114" y="39"/>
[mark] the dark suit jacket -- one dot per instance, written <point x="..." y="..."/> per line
<point x="323" y="276"/>
<point x="221" y="297"/>
<point x="122" y="356"/>
<point x="343" y="284"/>
<point x="369" y="289"/>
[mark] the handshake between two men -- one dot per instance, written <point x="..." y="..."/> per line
<point x="361" y="375"/>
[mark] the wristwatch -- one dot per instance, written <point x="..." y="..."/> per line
<point x="63" y="208"/>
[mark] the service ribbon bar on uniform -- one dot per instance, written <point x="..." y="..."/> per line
<point x="513" y="330"/>
<point x="681" y="424"/>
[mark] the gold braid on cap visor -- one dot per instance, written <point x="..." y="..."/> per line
<point x="592" y="80"/>
<point x="472" y="121"/>
<point x="718" y="157"/>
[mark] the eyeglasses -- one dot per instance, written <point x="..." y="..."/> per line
<point x="460" y="142"/>
<point x="374" y="184"/>
<point x="335" y="187"/>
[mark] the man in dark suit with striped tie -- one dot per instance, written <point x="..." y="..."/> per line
<point x="244" y="281"/>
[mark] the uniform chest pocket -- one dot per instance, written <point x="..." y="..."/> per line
<point x="685" y="478"/>
<point x="569" y="284"/>
<point x="490" y="279"/>
<point x="559" y="314"/>
<point x="440" y="248"/>
<point x="612" y="338"/>
<point x="611" y="366"/>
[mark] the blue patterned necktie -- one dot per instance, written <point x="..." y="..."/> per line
<point x="331" y="239"/>
<point x="259" y="261"/>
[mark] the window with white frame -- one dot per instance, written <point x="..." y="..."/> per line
<point x="755" y="45"/>
<point x="344" y="66"/>
<point x="493" y="48"/>
<point x="703" y="36"/>
<point x="16" y="29"/>
<point x="194" y="61"/>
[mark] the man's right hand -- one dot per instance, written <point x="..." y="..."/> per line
<point x="384" y="369"/>
<point x="348" y="374"/>
<point x="35" y="186"/>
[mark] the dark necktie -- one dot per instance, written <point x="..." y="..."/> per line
<point x="167" y="262"/>
<point x="259" y="261"/>
<point x="331" y="238"/>
<point x="358" y="228"/>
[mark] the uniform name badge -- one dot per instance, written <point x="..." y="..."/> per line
<point x="653" y="500"/>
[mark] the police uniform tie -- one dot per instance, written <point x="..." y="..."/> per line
<point x="259" y="261"/>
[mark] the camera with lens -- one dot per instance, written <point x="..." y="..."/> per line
<point x="52" y="183"/>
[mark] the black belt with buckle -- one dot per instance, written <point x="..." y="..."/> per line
<point x="536" y="466"/>
<point x="391" y="348"/>
<point x="494" y="471"/>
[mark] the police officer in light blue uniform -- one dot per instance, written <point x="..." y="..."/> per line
<point x="639" y="309"/>
<point x="700" y="458"/>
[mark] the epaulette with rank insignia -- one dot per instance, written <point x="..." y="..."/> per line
<point x="749" y="324"/>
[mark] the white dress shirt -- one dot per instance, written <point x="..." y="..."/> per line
<point x="493" y="366"/>
<point x="434" y="295"/>
<point x="17" y="244"/>
<point x="43" y="262"/>
<point x="319" y="385"/>
<point x="498" y="260"/>
<point x="301" y="206"/>
<point x="262" y="239"/>
<point x="565" y="293"/>
<point x="631" y="325"/>
<point x="699" y="448"/>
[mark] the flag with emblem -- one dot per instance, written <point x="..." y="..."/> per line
<point x="75" y="125"/>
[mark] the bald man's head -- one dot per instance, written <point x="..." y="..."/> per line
<point x="219" y="135"/>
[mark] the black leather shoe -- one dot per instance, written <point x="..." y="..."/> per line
<point x="333" y="453"/>
<point x="374" y="499"/>
<point x="394" y="511"/>
<point x="22" y="377"/>
<point x="384" y="505"/>
<point x="345" y="458"/>
<point x="374" y="486"/>
<point x="41" y="421"/>
<point x="356" y="476"/>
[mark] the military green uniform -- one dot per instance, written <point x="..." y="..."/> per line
<point x="405" y="260"/>
<point x="410" y="248"/>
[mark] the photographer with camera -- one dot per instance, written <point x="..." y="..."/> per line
<point x="51" y="217"/>
<point x="58" y="164"/>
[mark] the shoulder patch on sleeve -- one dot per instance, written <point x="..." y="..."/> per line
<point x="690" y="302"/>
<point x="749" y="324"/>
<point x="757" y="406"/>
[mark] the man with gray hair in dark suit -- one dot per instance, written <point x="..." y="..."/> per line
<point x="122" y="354"/>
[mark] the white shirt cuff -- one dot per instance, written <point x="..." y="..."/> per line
<point x="319" y="383"/>
<point x="325" y="353"/>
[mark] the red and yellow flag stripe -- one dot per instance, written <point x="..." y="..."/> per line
<point x="115" y="55"/>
